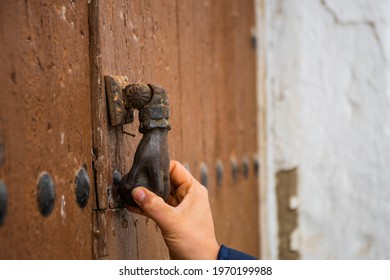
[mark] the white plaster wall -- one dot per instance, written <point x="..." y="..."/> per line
<point x="328" y="99"/>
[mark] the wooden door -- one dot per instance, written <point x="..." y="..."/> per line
<point x="56" y="119"/>
<point x="202" y="53"/>
<point x="45" y="126"/>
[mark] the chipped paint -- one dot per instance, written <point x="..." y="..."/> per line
<point x="63" y="13"/>
<point x="286" y="191"/>
<point x="328" y="100"/>
<point x="63" y="203"/>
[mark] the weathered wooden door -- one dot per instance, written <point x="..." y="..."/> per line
<point x="45" y="126"/>
<point x="54" y="119"/>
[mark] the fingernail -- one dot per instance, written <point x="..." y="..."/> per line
<point x="138" y="194"/>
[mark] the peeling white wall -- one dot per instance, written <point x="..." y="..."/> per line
<point x="328" y="112"/>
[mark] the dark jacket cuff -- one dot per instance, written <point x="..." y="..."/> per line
<point x="226" y="253"/>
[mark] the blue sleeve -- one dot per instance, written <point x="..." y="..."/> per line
<point x="226" y="253"/>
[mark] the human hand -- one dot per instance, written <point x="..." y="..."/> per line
<point x="186" y="222"/>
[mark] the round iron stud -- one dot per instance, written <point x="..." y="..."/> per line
<point x="187" y="166"/>
<point x="83" y="187"/>
<point x="256" y="165"/>
<point x="3" y="202"/>
<point x="1" y="154"/>
<point x="219" y="172"/>
<point x="204" y="175"/>
<point x="116" y="177"/>
<point x="46" y="194"/>
<point x="245" y="167"/>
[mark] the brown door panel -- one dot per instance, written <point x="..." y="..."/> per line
<point x="54" y="119"/>
<point x="202" y="53"/>
<point x="45" y="126"/>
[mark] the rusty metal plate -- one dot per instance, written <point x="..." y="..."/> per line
<point x="116" y="106"/>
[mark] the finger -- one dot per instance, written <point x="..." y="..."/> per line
<point x="180" y="175"/>
<point x="153" y="206"/>
<point x="173" y="200"/>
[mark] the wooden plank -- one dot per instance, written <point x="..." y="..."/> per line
<point x="137" y="39"/>
<point x="201" y="52"/>
<point x="242" y="88"/>
<point x="45" y="123"/>
<point x="218" y="87"/>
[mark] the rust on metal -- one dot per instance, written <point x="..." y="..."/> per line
<point x="114" y="89"/>
<point x="137" y="96"/>
<point x="151" y="161"/>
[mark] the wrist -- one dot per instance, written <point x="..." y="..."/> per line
<point x="208" y="250"/>
<point x="214" y="251"/>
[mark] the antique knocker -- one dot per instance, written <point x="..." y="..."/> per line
<point x="151" y="161"/>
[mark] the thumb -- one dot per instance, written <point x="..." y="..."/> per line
<point x="153" y="206"/>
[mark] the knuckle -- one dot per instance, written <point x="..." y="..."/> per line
<point x="203" y="190"/>
<point x="152" y="203"/>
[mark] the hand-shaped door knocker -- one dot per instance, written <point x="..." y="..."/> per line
<point x="151" y="161"/>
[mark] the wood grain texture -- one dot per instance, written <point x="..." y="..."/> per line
<point x="137" y="39"/>
<point x="52" y="70"/>
<point x="201" y="52"/>
<point x="45" y="126"/>
<point x="218" y="81"/>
